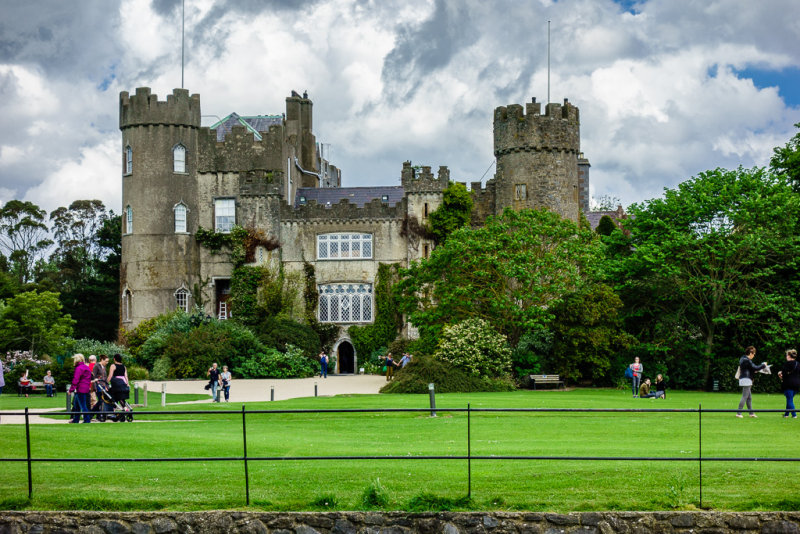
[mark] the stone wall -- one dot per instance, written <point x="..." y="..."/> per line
<point x="399" y="522"/>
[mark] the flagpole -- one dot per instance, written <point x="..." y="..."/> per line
<point x="183" y="24"/>
<point x="548" y="61"/>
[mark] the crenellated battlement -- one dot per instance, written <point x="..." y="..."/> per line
<point x="143" y="108"/>
<point x="421" y="179"/>
<point x="515" y="130"/>
<point x="344" y="210"/>
<point x="240" y="151"/>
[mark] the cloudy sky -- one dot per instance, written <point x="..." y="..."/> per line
<point x="666" y="88"/>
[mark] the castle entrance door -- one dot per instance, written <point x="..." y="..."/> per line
<point x="346" y="358"/>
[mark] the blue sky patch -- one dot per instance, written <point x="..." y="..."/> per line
<point x="787" y="80"/>
<point x="629" y="5"/>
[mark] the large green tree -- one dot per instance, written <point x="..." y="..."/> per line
<point x="34" y="321"/>
<point x="786" y="159"/>
<point x="454" y="212"/>
<point x="714" y="258"/>
<point x="23" y="236"/>
<point x="508" y="272"/>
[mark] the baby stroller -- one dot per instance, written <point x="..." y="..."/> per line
<point x="113" y="405"/>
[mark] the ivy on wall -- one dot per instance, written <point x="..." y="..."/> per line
<point x="241" y="243"/>
<point x="327" y="332"/>
<point x="388" y="318"/>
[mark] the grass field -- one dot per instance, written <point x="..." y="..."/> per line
<point x="408" y="483"/>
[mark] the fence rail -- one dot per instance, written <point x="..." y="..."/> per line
<point x="469" y="457"/>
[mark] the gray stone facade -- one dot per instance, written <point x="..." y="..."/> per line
<point x="177" y="174"/>
<point x="401" y="522"/>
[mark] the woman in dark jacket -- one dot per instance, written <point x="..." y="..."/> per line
<point x="747" y="370"/>
<point x="790" y="380"/>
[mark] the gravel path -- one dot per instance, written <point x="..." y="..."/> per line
<point x="241" y="391"/>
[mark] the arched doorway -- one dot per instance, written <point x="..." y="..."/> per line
<point x="346" y="358"/>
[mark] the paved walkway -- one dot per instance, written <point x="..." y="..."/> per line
<point x="241" y="391"/>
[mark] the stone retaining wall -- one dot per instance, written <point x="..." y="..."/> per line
<point x="399" y="522"/>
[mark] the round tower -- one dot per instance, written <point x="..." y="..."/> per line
<point x="537" y="158"/>
<point x="159" y="203"/>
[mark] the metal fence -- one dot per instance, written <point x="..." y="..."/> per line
<point x="468" y="458"/>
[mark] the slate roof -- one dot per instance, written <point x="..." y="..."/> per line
<point x="594" y="216"/>
<point x="356" y="195"/>
<point x="256" y="124"/>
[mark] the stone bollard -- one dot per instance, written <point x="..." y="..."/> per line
<point x="145" y="394"/>
<point x="272" y="393"/>
<point x="163" y="394"/>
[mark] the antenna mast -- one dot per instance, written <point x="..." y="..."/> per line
<point x="548" y="61"/>
<point x="183" y="24"/>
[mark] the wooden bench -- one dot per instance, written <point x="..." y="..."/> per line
<point x="542" y="380"/>
<point x="34" y="387"/>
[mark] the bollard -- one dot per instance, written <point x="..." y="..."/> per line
<point x="163" y="394"/>
<point x="716" y="385"/>
<point x="69" y="399"/>
<point x="145" y="394"/>
<point x="272" y="393"/>
<point x="219" y="392"/>
<point x="433" y="399"/>
<point x="136" y="393"/>
<point x="315" y="389"/>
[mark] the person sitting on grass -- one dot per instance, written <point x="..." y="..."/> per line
<point x="644" y="390"/>
<point x="661" y="387"/>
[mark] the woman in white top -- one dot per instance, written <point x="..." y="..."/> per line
<point x="225" y="376"/>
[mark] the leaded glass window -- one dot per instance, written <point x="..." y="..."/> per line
<point x="344" y="246"/>
<point x="345" y="303"/>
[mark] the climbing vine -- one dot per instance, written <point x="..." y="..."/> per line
<point x="388" y="318"/>
<point x="240" y="241"/>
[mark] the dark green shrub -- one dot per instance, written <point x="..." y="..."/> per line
<point x="279" y="333"/>
<point x="375" y="496"/>
<point x="423" y="370"/>
<point x="275" y="364"/>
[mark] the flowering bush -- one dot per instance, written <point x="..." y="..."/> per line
<point x="477" y="348"/>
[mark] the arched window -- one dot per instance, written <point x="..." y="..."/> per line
<point x="179" y="158"/>
<point x="128" y="159"/>
<point x="127" y="297"/>
<point x="182" y="299"/>
<point x="128" y="220"/>
<point x="180" y="210"/>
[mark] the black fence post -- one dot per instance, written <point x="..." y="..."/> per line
<point x="469" y="455"/>
<point x="244" y="441"/>
<point x="700" y="448"/>
<point x="28" y="441"/>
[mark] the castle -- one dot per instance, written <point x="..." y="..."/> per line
<point x="267" y="173"/>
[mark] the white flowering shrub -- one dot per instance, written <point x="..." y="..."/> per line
<point x="477" y="348"/>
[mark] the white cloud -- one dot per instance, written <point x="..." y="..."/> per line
<point x="93" y="174"/>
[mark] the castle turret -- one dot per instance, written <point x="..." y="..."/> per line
<point x="537" y="158"/>
<point x="159" y="201"/>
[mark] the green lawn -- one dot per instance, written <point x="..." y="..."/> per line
<point x="408" y="483"/>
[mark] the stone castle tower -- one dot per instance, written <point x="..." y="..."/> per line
<point x="537" y="158"/>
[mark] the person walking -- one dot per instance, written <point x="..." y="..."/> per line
<point x="225" y="376"/>
<point x="390" y="365"/>
<point x="637" y="369"/>
<point x="2" y="378"/>
<point x="790" y="381"/>
<point x="323" y="365"/>
<point x="214" y="382"/>
<point x="118" y="380"/>
<point x="49" y="383"/>
<point x="747" y="370"/>
<point x="100" y="382"/>
<point x="81" y="385"/>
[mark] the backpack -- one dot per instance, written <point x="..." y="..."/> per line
<point x="628" y="372"/>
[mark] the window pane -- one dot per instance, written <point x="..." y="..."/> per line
<point x="345" y="308"/>
<point x="334" y="249"/>
<point x="357" y="309"/>
<point x="128" y="160"/>
<point x="334" y="308"/>
<point x="323" y="250"/>
<point x="367" y="308"/>
<point x="179" y="159"/>
<point x="323" y="308"/>
<point x="367" y="249"/>
<point x="356" y="246"/>
<point x="345" y="249"/>
<point x="180" y="218"/>
<point x="224" y="214"/>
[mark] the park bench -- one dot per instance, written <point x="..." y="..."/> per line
<point x="33" y="387"/>
<point x="542" y="380"/>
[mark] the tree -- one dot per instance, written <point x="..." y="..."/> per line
<point x="23" y="236"/>
<point x="454" y="213"/>
<point x="587" y="333"/>
<point x="717" y="255"/>
<point x="786" y="160"/>
<point x="606" y="226"/>
<point x="33" y="321"/>
<point x="508" y="272"/>
<point x="475" y="347"/>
